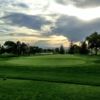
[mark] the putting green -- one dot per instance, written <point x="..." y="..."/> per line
<point x="46" y="61"/>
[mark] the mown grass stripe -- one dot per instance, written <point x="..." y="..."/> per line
<point x="51" y="81"/>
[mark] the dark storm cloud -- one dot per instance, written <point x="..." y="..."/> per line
<point x="81" y="3"/>
<point x="62" y="1"/>
<point x="70" y="27"/>
<point x="22" y="5"/>
<point x="22" y="35"/>
<point x="87" y="3"/>
<point x="6" y="3"/>
<point x="24" y="20"/>
<point x="13" y="3"/>
<point x="75" y="29"/>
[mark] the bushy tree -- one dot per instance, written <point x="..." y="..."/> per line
<point x="56" y="50"/>
<point x="10" y="47"/>
<point x="2" y="50"/>
<point x="94" y="42"/>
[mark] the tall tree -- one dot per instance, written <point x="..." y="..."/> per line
<point x="24" y="49"/>
<point x="56" y="51"/>
<point x="61" y="50"/>
<point x="94" y="42"/>
<point x="71" y="48"/>
<point x="18" y="44"/>
<point x="84" y="48"/>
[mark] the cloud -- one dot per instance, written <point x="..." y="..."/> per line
<point x="24" y="20"/>
<point x="22" y="5"/>
<point x="25" y="32"/>
<point x="64" y="2"/>
<point x="53" y="41"/>
<point x="44" y="42"/>
<point x="74" y="28"/>
<point x="29" y="25"/>
<point x="87" y="3"/>
<point x="24" y="23"/>
<point x="80" y="3"/>
<point x="48" y="22"/>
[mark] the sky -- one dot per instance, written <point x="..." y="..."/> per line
<point x="48" y="23"/>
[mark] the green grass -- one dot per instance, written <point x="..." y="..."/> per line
<point x="50" y="77"/>
<point x="33" y="90"/>
<point x="46" y="61"/>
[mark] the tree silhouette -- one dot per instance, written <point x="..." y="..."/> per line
<point x="61" y="50"/>
<point x="84" y="48"/>
<point x="24" y="49"/>
<point x="91" y="44"/>
<point x="2" y="50"/>
<point x="71" y="48"/>
<point x="94" y="42"/>
<point x="18" y="48"/>
<point x="10" y="47"/>
<point x="56" y="51"/>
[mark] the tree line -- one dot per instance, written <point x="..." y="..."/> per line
<point x="91" y="45"/>
<point x="21" y="49"/>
